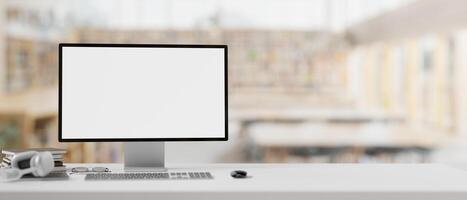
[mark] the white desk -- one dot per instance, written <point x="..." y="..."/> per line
<point x="268" y="181"/>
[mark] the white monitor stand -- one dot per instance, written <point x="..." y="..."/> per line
<point x="144" y="156"/>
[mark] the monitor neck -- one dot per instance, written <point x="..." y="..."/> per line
<point x="144" y="156"/>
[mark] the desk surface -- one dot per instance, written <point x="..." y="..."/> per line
<point x="267" y="181"/>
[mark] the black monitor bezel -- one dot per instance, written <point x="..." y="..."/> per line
<point x="60" y="88"/>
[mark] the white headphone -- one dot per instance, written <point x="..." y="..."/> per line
<point x="40" y="164"/>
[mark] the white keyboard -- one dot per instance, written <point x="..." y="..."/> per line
<point x="148" y="176"/>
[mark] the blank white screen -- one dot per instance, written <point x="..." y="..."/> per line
<point x="135" y="92"/>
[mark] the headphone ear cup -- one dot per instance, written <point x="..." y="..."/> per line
<point x="42" y="163"/>
<point x="11" y="174"/>
<point x="21" y="157"/>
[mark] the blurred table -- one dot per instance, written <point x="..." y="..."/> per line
<point x="334" y="135"/>
<point x="276" y="139"/>
<point x="311" y="114"/>
<point x="252" y="116"/>
<point x="275" y="131"/>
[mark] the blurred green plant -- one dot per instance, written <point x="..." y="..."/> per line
<point x="9" y="134"/>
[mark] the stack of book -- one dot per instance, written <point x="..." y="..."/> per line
<point x="58" y="155"/>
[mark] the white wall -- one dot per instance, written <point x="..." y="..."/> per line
<point x="461" y="80"/>
<point x="456" y="151"/>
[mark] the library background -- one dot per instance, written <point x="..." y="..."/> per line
<point x="319" y="81"/>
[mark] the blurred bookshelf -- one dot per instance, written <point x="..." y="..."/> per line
<point x="279" y="65"/>
<point x="296" y="95"/>
<point x="30" y="64"/>
<point x="265" y="60"/>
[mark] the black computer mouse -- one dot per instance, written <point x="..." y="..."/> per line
<point x="238" y="174"/>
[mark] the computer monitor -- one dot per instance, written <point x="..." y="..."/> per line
<point x="142" y="95"/>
